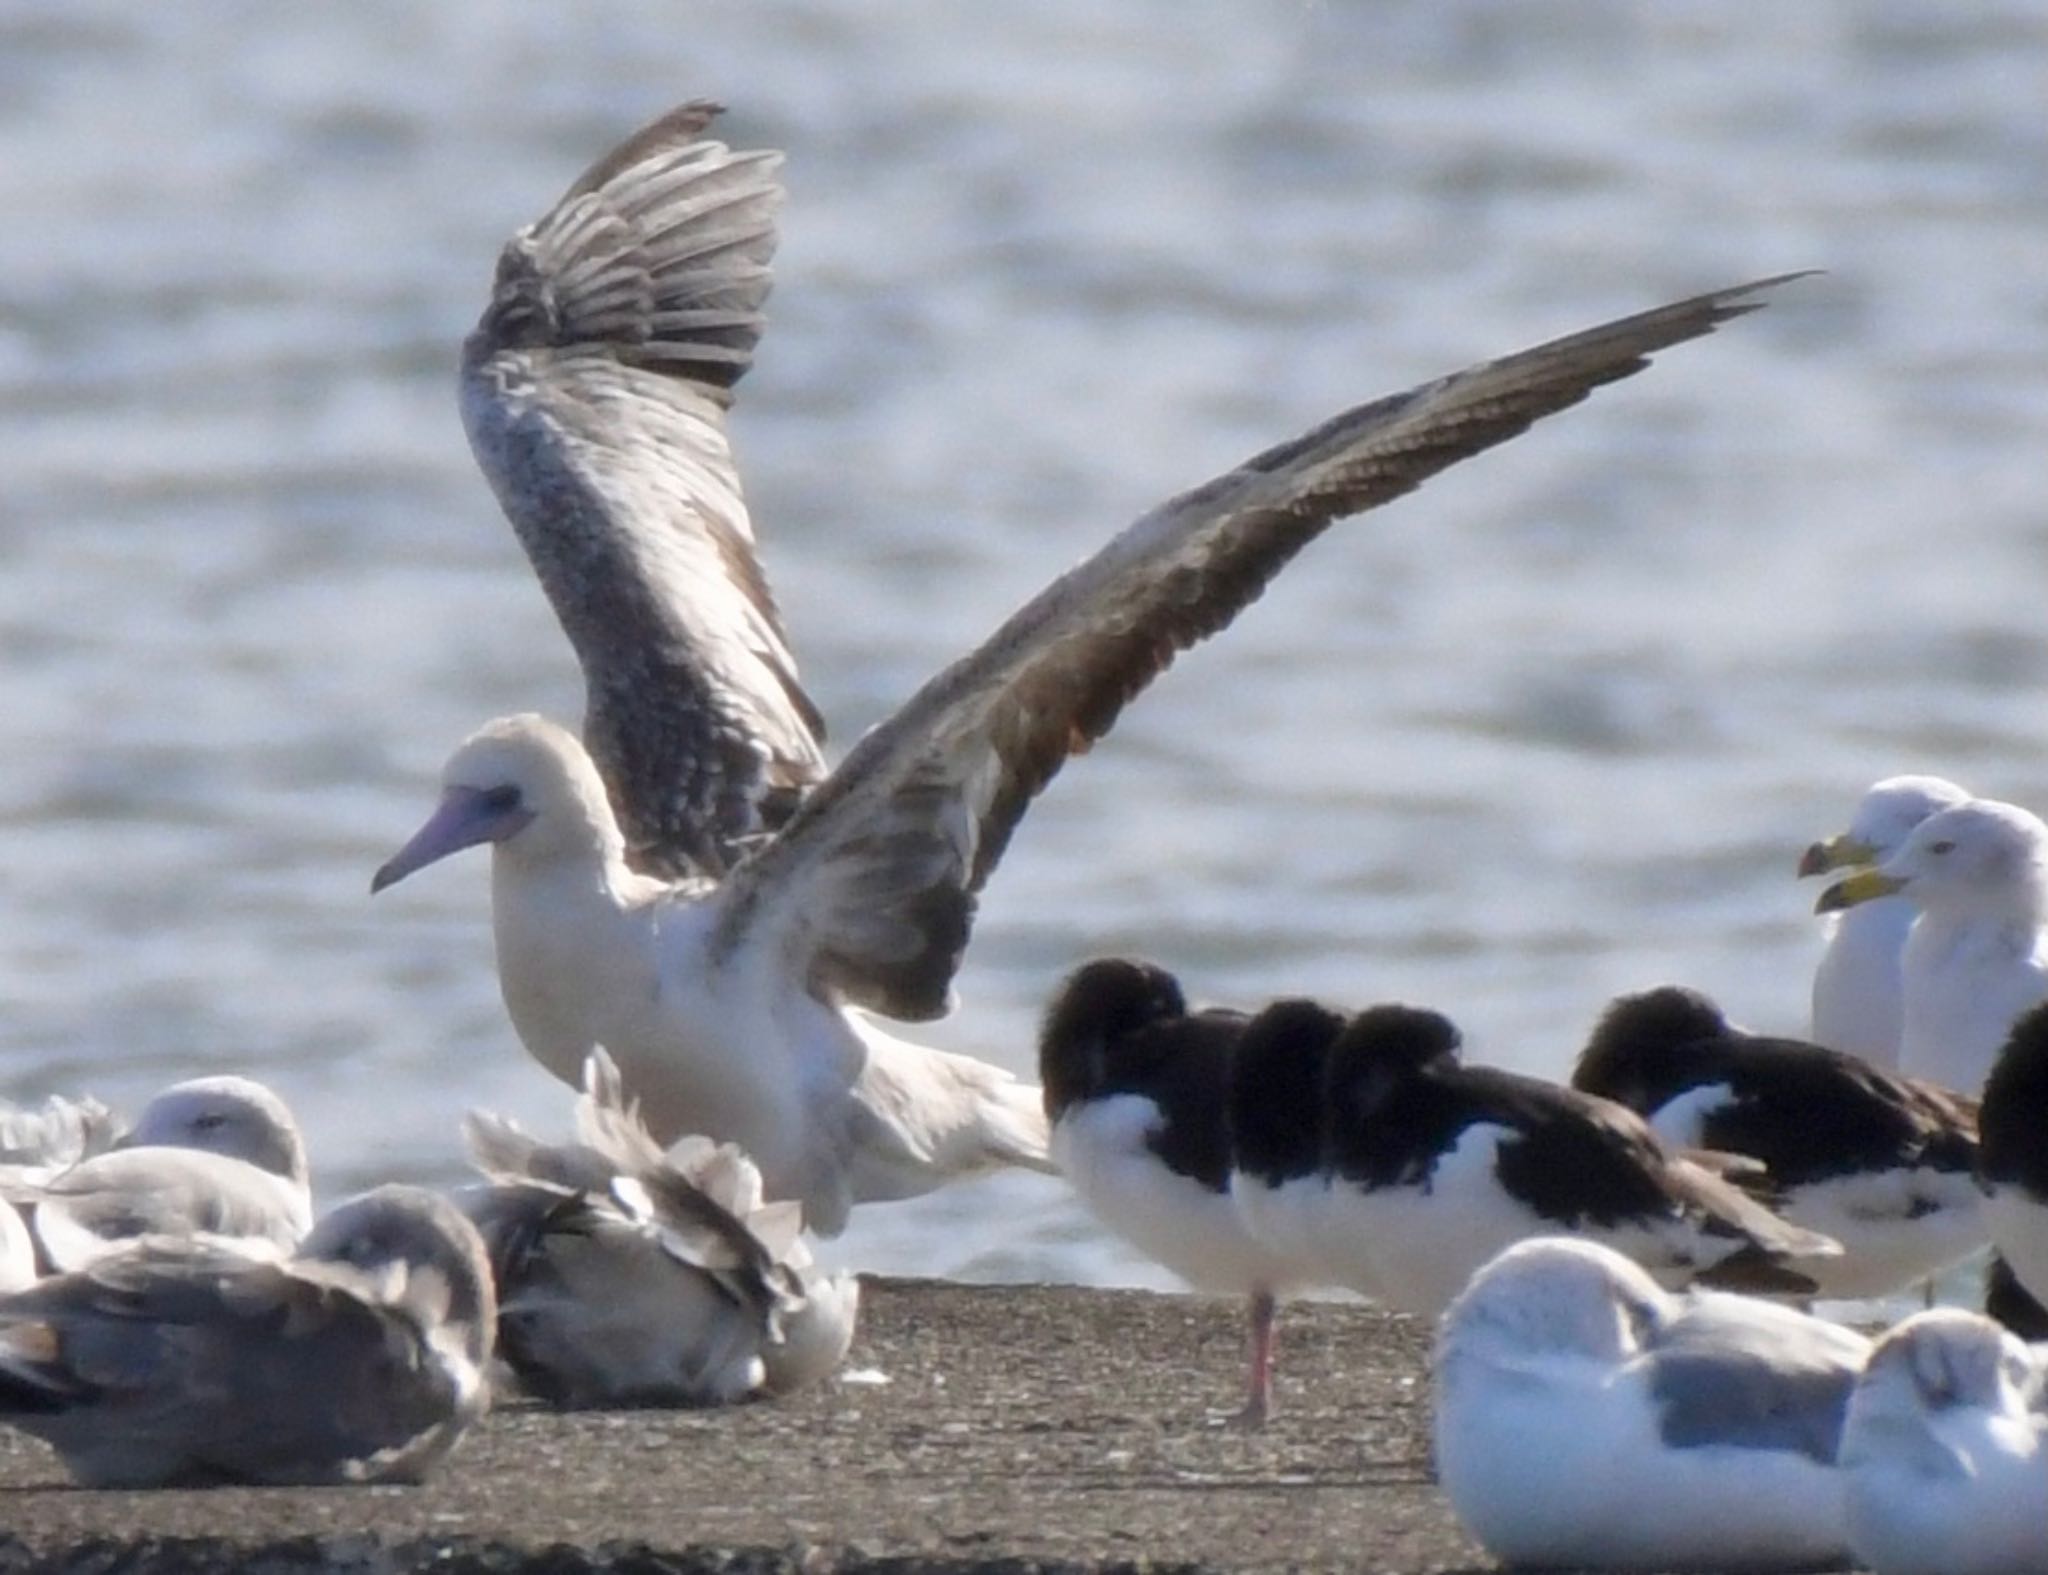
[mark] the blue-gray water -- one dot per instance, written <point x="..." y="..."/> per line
<point x="1555" y="727"/>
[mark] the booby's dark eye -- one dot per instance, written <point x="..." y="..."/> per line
<point x="501" y="798"/>
<point x="1943" y="846"/>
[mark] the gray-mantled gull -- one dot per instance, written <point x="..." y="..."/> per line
<point x="734" y="1009"/>
<point x="178" y="1362"/>
<point x="1945" y="1454"/>
<point x="219" y="1157"/>
<point x="1135" y="1084"/>
<point x="1978" y="954"/>
<point x="1856" y="993"/>
<point x="630" y="1276"/>
<point x="1885" y="1164"/>
<point x="1586" y="1417"/>
<point x="1435" y="1166"/>
<point x="595" y="390"/>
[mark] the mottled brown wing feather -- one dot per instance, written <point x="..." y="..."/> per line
<point x="872" y="883"/>
<point x="594" y="390"/>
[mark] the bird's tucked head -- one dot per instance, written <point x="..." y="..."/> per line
<point x="523" y="784"/>
<point x="1101" y="1004"/>
<point x="1383" y="1050"/>
<point x="1947" y="1358"/>
<point x="1554" y="1299"/>
<point x="419" y="1252"/>
<point x="1628" y="1058"/>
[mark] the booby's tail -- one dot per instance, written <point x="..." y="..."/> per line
<point x="926" y="1117"/>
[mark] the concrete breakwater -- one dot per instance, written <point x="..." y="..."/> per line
<point x="1001" y="1428"/>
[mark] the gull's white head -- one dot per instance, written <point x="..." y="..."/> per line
<point x="422" y="1250"/>
<point x="236" y="1117"/>
<point x="1949" y="1359"/>
<point x="523" y="784"/>
<point x="1982" y="856"/>
<point x="1554" y="1298"/>
<point x="1883" y="821"/>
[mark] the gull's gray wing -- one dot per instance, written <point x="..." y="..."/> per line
<point x="595" y="390"/>
<point x="1752" y="1375"/>
<point x="870" y="889"/>
<point x="96" y="1205"/>
<point x="176" y="1361"/>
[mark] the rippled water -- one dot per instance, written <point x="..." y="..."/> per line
<point x="1554" y="728"/>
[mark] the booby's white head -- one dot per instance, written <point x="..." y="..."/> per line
<point x="1554" y="1298"/>
<point x="523" y="784"/>
<point x="1979" y="857"/>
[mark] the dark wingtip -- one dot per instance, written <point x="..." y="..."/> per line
<point x="679" y="125"/>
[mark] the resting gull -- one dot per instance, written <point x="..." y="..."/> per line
<point x="179" y="1362"/>
<point x="630" y="1276"/>
<point x="1884" y="1164"/>
<point x="219" y="1157"/>
<point x="1945" y="1452"/>
<point x="1978" y="955"/>
<point x="1586" y="1417"/>
<point x="736" y="1009"/>
<point x="1134" y="1087"/>
<point x="1856" y="1004"/>
<point x="1435" y="1166"/>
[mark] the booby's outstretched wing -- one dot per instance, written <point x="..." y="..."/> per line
<point x="594" y="390"/>
<point x="870" y="889"/>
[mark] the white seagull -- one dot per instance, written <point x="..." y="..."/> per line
<point x="216" y="1157"/>
<point x="594" y="391"/>
<point x="1945" y="1452"/>
<point x="1586" y="1417"/>
<point x="178" y="1362"/>
<point x="1856" y="991"/>
<point x="630" y="1276"/>
<point x="1978" y="954"/>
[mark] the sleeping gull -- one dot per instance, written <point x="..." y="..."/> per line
<point x="1134" y="1088"/>
<point x="629" y="1276"/>
<point x="180" y="1362"/>
<point x="1586" y="1417"/>
<point x="2015" y="1155"/>
<point x="1945" y="1452"/>
<point x="1884" y="1164"/>
<point x="1856" y="1004"/>
<point x="737" y="1009"/>
<point x="1435" y="1166"/>
<point x="219" y="1157"/>
<point x="1978" y="954"/>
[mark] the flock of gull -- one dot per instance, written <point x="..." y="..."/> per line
<point x="699" y="923"/>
